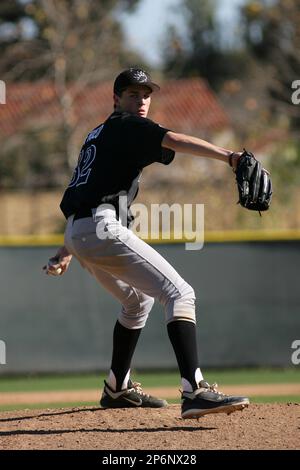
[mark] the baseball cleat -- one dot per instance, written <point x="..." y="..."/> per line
<point x="131" y="397"/>
<point x="207" y="399"/>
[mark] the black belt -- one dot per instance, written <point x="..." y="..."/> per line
<point x="82" y="213"/>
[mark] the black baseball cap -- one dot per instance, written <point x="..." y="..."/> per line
<point x="133" y="76"/>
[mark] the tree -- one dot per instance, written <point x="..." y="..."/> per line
<point x="12" y="19"/>
<point x="71" y="43"/>
<point x="37" y="36"/>
<point x="202" y="51"/>
<point x="272" y="35"/>
<point x="21" y="46"/>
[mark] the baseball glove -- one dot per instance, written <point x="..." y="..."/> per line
<point x="253" y="182"/>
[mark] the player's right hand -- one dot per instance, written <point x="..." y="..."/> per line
<point x="58" y="264"/>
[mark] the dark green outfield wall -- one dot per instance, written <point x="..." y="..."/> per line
<point x="248" y="309"/>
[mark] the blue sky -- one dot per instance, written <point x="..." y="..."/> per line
<point x="145" y="28"/>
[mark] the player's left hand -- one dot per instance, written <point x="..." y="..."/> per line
<point x="234" y="158"/>
<point x="253" y="182"/>
<point x="58" y="264"/>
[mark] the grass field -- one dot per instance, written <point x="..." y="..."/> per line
<point x="149" y="379"/>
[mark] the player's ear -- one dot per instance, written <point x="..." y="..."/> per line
<point x="116" y="100"/>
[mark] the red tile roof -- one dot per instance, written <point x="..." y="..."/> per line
<point x="189" y="105"/>
<point x="182" y="105"/>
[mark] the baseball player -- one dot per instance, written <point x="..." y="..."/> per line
<point x="110" y="164"/>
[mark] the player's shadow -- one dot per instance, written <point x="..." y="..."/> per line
<point x="93" y="410"/>
<point x="57" y="413"/>
<point x="47" y="432"/>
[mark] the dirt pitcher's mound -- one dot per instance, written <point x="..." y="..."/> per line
<point x="271" y="426"/>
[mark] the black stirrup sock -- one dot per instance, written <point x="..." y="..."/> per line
<point x="124" y="343"/>
<point x="182" y="335"/>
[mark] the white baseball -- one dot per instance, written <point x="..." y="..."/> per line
<point x="53" y="272"/>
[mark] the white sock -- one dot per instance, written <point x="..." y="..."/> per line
<point x="198" y="376"/>
<point x="125" y="381"/>
<point x="112" y="381"/>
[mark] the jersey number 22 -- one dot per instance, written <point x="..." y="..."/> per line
<point x="83" y="169"/>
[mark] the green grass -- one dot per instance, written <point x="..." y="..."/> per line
<point x="227" y="377"/>
<point x="51" y="382"/>
<point x="149" y="379"/>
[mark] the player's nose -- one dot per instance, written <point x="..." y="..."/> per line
<point x="141" y="100"/>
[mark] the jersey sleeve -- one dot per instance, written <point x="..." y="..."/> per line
<point x="143" y="139"/>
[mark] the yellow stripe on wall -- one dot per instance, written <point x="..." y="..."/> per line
<point x="210" y="237"/>
<point x="31" y="240"/>
<point x="252" y="235"/>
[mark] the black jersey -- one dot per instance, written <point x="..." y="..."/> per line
<point x="111" y="161"/>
